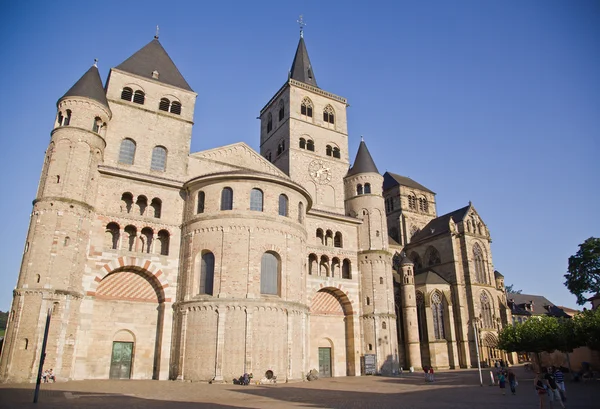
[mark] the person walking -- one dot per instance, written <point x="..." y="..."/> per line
<point x="559" y="377"/>
<point x="502" y="382"/>
<point x="553" y="393"/>
<point x="540" y="388"/>
<point x="512" y="381"/>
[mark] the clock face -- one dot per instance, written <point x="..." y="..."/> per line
<point x="319" y="172"/>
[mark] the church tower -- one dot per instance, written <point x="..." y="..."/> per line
<point x="56" y="248"/>
<point x="364" y="200"/>
<point x="304" y="133"/>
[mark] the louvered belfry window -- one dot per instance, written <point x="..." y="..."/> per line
<point x="176" y="108"/>
<point x="164" y="104"/>
<point x="127" y="94"/>
<point x="139" y="97"/>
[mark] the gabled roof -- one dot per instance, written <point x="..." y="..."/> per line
<point x="89" y="86"/>
<point x="541" y="305"/>
<point x="392" y="179"/>
<point x="440" y="225"/>
<point x="429" y="277"/>
<point x="497" y="274"/>
<point x="153" y="57"/>
<point x="301" y="68"/>
<point x="364" y="162"/>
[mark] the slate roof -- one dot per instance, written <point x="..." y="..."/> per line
<point x="392" y="179"/>
<point x="153" y="57"/>
<point x="364" y="162"/>
<point x="541" y="305"/>
<point x="439" y="225"/>
<point x="301" y="67"/>
<point x="89" y="86"/>
<point x="429" y="277"/>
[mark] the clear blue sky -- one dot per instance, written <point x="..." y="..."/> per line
<point x="497" y="102"/>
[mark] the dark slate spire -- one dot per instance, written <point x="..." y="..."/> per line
<point x="301" y="68"/>
<point x="89" y="86"/>
<point x="364" y="162"/>
<point x="153" y="57"/>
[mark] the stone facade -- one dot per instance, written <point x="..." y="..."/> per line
<point x="158" y="263"/>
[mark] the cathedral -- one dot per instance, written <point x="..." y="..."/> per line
<point x="157" y="263"/>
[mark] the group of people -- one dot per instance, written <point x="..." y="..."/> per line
<point x="551" y="383"/>
<point x="507" y="375"/>
<point x="48" y="375"/>
<point x="429" y="376"/>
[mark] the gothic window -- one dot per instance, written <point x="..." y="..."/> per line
<point x="227" y="199"/>
<point x="310" y="145"/>
<point x="416" y="259"/>
<point x="359" y="189"/>
<point x="256" y="200"/>
<point x="320" y="236"/>
<point x="329" y="115"/>
<point x="207" y="273"/>
<point x="336" y="152"/>
<point x="112" y="236"/>
<point x="159" y="158"/>
<point x="164" y="104"/>
<point x="300" y="212"/>
<point x="146" y="240"/>
<point x="283" y="205"/>
<point x="421" y="317"/>
<point x="139" y="97"/>
<point x="176" y="108"/>
<point x="127" y="94"/>
<point x="163" y="241"/>
<point x="269" y="122"/>
<point x="281" y="110"/>
<point x="328" y="150"/>
<point x="201" y="198"/>
<point x="141" y="203"/>
<point x="306" y="108"/>
<point x="302" y="143"/>
<point x="127" y="151"/>
<point x="270" y="272"/>
<point x="486" y="311"/>
<point x="437" y="310"/>
<point x="480" y="270"/>
<point x="126" y="202"/>
<point x="337" y="240"/>
<point x="367" y="188"/>
<point x="346" y="269"/>
<point x="156" y="206"/>
<point x="432" y="256"/>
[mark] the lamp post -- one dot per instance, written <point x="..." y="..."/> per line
<point x="476" y="335"/>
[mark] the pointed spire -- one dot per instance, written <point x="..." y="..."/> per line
<point x="89" y="86"/>
<point x="153" y="62"/>
<point x="301" y="68"/>
<point x="364" y="162"/>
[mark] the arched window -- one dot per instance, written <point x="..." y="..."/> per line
<point x="283" y="205"/>
<point x="486" y="311"/>
<point x="313" y="264"/>
<point x="320" y="236"/>
<point x="416" y="259"/>
<point x="368" y="301"/>
<point x="432" y="256"/>
<point x="139" y="97"/>
<point x="60" y="118"/>
<point x="480" y="271"/>
<point x="163" y="240"/>
<point x="256" y="200"/>
<point x="423" y="205"/>
<point x="329" y="115"/>
<point x="227" y="199"/>
<point x="359" y="189"/>
<point x="281" y="110"/>
<point x="97" y="124"/>
<point x="337" y="241"/>
<point x="126" y="202"/>
<point x="269" y="122"/>
<point x="127" y="94"/>
<point x="336" y="152"/>
<point x="67" y="119"/>
<point x="383" y="325"/>
<point x="111" y="240"/>
<point x="146" y="239"/>
<point x="127" y="151"/>
<point x="207" y="273"/>
<point x="159" y="158"/>
<point x="156" y="206"/>
<point x="412" y="201"/>
<point x="141" y="204"/>
<point x="437" y="310"/>
<point x="367" y="188"/>
<point x="329" y="238"/>
<point x="310" y="145"/>
<point x="346" y="272"/>
<point x="306" y="108"/>
<point x="175" y="108"/>
<point x="201" y="197"/>
<point x="164" y="104"/>
<point x="300" y="212"/>
<point x="324" y="267"/>
<point x="269" y="273"/>
<point x="328" y="150"/>
<point x="421" y="317"/>
<point x="131" y="233"/>
<point x="302" y="143"/>
<point x="380" y="280"/>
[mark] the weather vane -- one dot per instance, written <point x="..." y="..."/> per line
<point x="301" y="23"/>
<point x="156" y="36"/>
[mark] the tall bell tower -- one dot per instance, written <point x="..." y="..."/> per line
<point x="305" y="134"/>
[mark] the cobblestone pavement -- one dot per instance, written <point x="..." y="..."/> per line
<point x="451" y="389"/>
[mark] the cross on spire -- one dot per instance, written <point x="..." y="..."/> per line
<point x="156" y="35"/>
<point x="301" y="23"/>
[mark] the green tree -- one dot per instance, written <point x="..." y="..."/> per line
<point x="583" y="276"/>
<point x="511" y="289"/>
<point x="3" y="319"/>
<point x="587" y="328"/>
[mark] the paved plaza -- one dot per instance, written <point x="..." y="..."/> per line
<point x="452" y="389"/>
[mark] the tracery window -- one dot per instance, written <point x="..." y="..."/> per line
<point x="159" y="158"/>
<point x="256" y="200"/>
<point x="416" y="259"/>
<point x="207" y="273"/>
<point x="127" y="151"/>
<point x="432" y="256"/>
<point x="437" y="310"/>
<point x="480" y="271"/>
<point x="329" y="115"/>
<point x="227" y="199"/>
<point x="306" y="108"/>
<point x="486" y="311"/>
<point x="421" y="318"/>
<point x="270" y="272"/>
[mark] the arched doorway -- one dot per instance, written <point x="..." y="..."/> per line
<point x="127" y="325"/>
<point x="489" y="346"/>
<point x="332" y="336"/>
